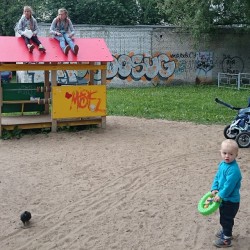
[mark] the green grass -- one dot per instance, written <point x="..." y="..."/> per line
<point x="177" y="103"/>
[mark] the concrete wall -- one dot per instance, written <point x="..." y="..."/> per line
<point x="151" y="55"/>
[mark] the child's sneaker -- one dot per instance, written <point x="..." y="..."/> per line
<point x="30" y="47"/>
<point x="66" y="50"/>
<point x="219" y="234"/>
<point x="223" y="242"/>
<point x="76" y="48"/>
<point x="41" y="48"/>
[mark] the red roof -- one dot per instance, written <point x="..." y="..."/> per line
<point x="13" y="49"/>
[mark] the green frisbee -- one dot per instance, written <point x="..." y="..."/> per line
<point x="207" y="205"/>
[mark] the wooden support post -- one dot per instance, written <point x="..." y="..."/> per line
<point x="22" y="108"/>
<point x="91" y="75"/>
<point x="103" y="82"/>
<point x="53" y="83"/>
<point x="46" y="94"/>
<point x="104" y="74"/>
<point x="1" y="103"/>
<point x="103" y="123"/>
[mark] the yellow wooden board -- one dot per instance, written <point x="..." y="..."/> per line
<point x="78" y="101"/>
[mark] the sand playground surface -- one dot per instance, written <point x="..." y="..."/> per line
<point x="134" y="185"/>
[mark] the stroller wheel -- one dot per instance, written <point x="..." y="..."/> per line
<point x="230" y="134"/>
<point x="243" y="140"/>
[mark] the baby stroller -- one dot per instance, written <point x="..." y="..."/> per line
<point x="243" y="139"/>
<point x="240" y="125"/>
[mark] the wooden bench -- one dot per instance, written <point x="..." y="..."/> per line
<point x="21" y="97"/>
<point x="22" y="102"/>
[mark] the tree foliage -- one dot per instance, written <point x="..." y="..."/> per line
<point x="8" y="11"/>
<point x="201" y="16"/>
<point x="149" y="12"/>
<point x="106" y="12"/>
<point x="198" y="16"/>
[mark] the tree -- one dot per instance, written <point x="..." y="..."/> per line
<point x="150" y="13"/>
<point x="230" y="12"/>
<point x="199" y="16"/>
<point x="12" y="10"/>
<point x="107" y="12"/>
<point x="202" y="16"/>
<point x="9" y="14"/>
<point x="48" y="10"/>
<point x="104" y="12"/>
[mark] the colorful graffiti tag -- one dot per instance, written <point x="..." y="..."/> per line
<point x="78" y="101"/>
<point x="161" y="66"/>
<point x="84" y="100"/>
<point x="139" y="66"/>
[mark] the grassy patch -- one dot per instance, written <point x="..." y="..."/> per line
<point x="178" y="103"/>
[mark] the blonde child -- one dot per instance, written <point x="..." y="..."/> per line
<point x="28" y="23"/>
<point x="63" y="31"/>
<point x="226" y="188"/>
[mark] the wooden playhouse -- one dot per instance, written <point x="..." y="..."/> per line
<point x="49" y="104"/>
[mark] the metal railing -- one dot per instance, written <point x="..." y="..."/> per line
<point x="238" y="81"/>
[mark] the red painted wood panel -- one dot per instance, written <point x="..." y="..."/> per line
<point x="13" y="49"/>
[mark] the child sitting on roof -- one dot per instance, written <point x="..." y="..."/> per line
<point x="63" y="31"/>
<point x="27" y="28"/>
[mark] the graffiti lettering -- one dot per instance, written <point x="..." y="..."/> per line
<point x="139" y="66"/>
<point x="181" y="67"/>
<point x="151" y="67"/>
<point x="204" y="66"/>
<point x="232" y="65"/>
<point x="125" y="66"/>
<point x="84" y="100"/>
<point x="167" y="67"/>
<point x="204" y="61"/>
<point x="183" y="55"/>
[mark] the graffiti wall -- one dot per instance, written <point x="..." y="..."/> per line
<point x="152" y="55"/>
<point x="204" y="66"/>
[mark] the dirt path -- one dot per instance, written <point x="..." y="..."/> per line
<point x="133" y="185"/>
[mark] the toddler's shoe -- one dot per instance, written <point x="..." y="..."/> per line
<point x="66" y="50"/>
<point x="76" y="48"/>
<point x="41" y="48"/>
<point x="30" y="47"/>
<point x="223" y="241"/>
<point x="219" y="234"/>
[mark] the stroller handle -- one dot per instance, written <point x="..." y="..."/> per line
<point x="226" y="104"/>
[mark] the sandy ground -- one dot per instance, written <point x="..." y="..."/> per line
<point x="133" y="185"/>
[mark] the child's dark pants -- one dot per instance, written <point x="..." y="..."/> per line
<point x="228" y="211"/>
<point x="33" y="38"/>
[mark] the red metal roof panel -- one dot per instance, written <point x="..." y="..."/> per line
<point x="13" y="49"/>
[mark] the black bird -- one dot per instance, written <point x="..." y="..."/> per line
<point x="25" y="217"/>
